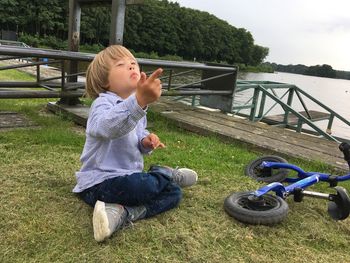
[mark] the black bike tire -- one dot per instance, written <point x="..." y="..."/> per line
<point x="341" y="210"/>
<point x="269" y="217"/>
<point x="278" y="177"/>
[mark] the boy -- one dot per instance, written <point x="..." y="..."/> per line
<point x="111" y="178"/>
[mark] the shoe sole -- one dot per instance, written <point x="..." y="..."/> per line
<point x="100" y="222"/>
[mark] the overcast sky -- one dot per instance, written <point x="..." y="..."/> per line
<point x="306" y="32"/>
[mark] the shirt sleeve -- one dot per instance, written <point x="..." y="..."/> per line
<point x="142" y="132"/>
<point x="109" y="121"/>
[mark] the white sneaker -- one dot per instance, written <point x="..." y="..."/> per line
<point x="184" y="177"/>
<point x="107" y="218"/>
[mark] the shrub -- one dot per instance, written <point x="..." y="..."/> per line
<point x="33" y="41"/>
<point x="54" y="42"/>
<point x="95" y="48"/>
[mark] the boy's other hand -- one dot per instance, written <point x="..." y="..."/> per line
<point x="152" y="142"/>
<point x="149" y="89"/>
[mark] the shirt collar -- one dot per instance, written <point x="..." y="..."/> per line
<point x="109" y="93"/>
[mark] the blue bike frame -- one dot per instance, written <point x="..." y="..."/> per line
<point x="304" y="179"/>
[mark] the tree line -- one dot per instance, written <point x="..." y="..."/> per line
<point x="317" y="70"/>
<point x="156" y="26"/>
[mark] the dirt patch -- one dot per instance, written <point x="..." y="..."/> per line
<point x="11" y="120"/>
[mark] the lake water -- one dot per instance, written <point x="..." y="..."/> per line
<point x="334" y="93"/>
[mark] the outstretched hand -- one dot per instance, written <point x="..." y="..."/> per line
<point x="152" y="142"/>
<point x="149" y="89"/>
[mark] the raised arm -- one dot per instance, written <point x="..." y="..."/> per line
<point x="112" y="121"/>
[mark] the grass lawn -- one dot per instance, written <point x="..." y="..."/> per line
<point x="41" y="220"/>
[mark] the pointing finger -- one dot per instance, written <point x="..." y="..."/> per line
<point x="155" y="74"/>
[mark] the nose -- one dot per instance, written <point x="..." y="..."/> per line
<point x="131" y="67"/>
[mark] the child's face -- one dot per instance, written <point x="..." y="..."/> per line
<point x="123" y="76"/>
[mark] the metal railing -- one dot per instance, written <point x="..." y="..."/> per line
<point x="265" y="89"/>
<point x="214" y="84"/>
<point x="66" y="85"/>
<point x="13" y="43"/>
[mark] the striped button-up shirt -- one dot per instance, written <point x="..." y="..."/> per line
<point x="114" y="131"/>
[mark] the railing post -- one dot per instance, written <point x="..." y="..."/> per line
<point x="330" y="123"/>
<point x="193" y="101"/>
<point x="262" y="105"/>
<point x="63" y="77"/>
<point x="170" y="78"/>
<point x="289" y="103"/>
<point x="38" y="72"/>
<point x="300" y="125"/>
<point x="254" y="104"/>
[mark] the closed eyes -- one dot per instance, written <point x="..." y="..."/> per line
<point x="123" y="63"/>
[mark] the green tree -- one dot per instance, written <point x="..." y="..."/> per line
<point x="95" y="24"/>
<point x="258" y="54"/>
<point x="321" y="71"/>
<point x="9" y="18"/>
<point x="157" y="26"/>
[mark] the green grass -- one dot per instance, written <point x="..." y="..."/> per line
<point x="15" y="75"/>
<point x="41" y="220"/>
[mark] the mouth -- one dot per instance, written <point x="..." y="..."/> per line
<point x="134" y="75"/>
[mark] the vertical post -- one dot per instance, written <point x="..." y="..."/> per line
<point x="330" y="123"/>
<point x="300" y="125"/>
<point x="254" y="104"/>
<point x="74" y="35"/>
<point x="117" y="23"/>
<point x="73" y="45"/>
<point x="63" y="77"/>
<point x="232" y="96"/>
<point x="38" y="72"/>
<point x="170" y="78"/>
<point x="289" y="103"/>
<point x="262" y="105"/>
<point x="193" y="101"/>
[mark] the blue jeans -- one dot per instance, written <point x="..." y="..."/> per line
<point x="155" y="190"/>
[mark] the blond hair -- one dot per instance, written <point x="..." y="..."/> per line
<point x="98" y="70"/>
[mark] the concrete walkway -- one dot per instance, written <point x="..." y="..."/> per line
<point x="274" y="139"/>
